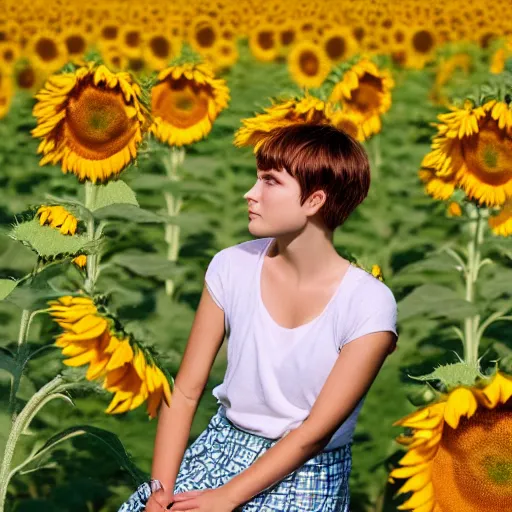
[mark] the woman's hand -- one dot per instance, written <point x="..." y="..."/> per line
<point x="158" y="501"/>
<point x="206" y="500"/>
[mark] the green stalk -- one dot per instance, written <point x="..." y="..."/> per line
<point x="22" y="421"/>
<point x="174" y="203"/>
<point x="92" y="259"/>
<point x="471" y="323"/>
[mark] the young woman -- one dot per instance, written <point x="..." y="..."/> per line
<point x="307" y="334"/>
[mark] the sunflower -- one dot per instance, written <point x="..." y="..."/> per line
<point x="365" y="90"/>
<point x="204" y="34"/>
<point x="59" y="218"/>
<point x="345" y="121"/>
<point x="9" y="53"/>
<point x="113" y="58"/>
<point x="223" y="56"/>
<point x="76" y="44"/>
<point x="501" y="224"/>
<point x="264" y="42"/>
<point x="47" y="51"/>
<point x="458" y="457"/>
<point x="125" y="367"/>
<point x="130" y="40"/>
<point x="185" y="102"/>
<point x="306" y="109"/>
<point x="339" y="44"/>
<point x="90" y="120"/>
<point x="472" y="151"/>
<point x="135" y="381"/>
<point x="108" y="31"/>
<point x="308" y="64"/>
<point x="159" y="48"/>
<point x="286" y="37"/>
<point x="421" y="46"/>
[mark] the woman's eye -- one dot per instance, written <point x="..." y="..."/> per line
<point x="270" y="179"/>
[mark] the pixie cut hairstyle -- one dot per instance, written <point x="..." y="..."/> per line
<point x="320" y="157"/>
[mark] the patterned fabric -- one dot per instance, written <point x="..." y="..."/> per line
<point x="223" y="450"/>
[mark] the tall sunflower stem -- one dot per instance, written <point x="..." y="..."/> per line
<point x="19" y="425"/>
<point x="92" y="259"/>
<point x="471" y="324"/>
<point x="172" y="162"/>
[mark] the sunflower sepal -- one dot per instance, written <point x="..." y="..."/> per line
<point x="453" y="375"/>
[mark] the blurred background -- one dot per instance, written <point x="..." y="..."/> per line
<point x="433" y="50"/>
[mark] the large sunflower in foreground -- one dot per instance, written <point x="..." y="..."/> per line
<point x="365" y="90"/>
<point x="126" y="368"/>
<point x="185" y="102"/>
<point x="306" y="109"/>
<point x="91" y="121"/>
<point x="459" y="456"/>
<point x="472" y="150"/>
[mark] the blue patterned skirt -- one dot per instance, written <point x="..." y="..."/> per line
<point x="223" y="450"/>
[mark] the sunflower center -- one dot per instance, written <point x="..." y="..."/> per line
<point x="97" y="126"/>
<point x="309" y="63"/>
<point x="366" y="97"/>
<point x="160" y="46"/>
<point x="109" y="32"/>
<point x="266" y="39"/>
<point x="46" y="49"/>
<point x="472" y="470"/>
<point x="423" y="41"/>
<point x="26" y="78"/>
<point x="75" y="44"/>
<point x="335" y="47"/>
<point x="205" y="37"/>
<point x="181" y="103"/>
<point x="488" y="154"/>
<point x="132" y="38"/>
<point x="287" y="37"/>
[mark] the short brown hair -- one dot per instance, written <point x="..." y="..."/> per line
<point x="320" y="157"/>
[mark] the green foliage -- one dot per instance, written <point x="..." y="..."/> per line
<point x="49" y="242"/>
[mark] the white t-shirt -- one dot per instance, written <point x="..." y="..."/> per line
<point x="274" y="374"/>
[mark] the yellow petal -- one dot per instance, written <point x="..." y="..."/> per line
<point x="461" y="402"/>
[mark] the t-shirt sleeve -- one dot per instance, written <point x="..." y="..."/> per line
<point x="374" y="310"/>
<point x="216" y="278"/>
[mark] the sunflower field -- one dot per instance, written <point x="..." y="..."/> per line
<point x="127" y="139"/>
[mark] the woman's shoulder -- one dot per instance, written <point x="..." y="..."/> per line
<point x="369" y="287"/>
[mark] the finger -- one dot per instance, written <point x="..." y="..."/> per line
<point x="186" y="495"/>
<point x="184" y="505"/>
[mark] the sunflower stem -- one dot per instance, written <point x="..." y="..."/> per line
<point x="473" y="265"/>
<point x="18" y="426"/>
<point x="92" y="259"/>
<point x="172" y="161"/>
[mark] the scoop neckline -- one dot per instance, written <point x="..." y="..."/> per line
<point x="265" y="310"/>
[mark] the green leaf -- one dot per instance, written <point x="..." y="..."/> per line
<point x="9" y="363"/>
<point x="130" y="212"/>
<point x="114" y="192"/>
<point x="110" y="441"/>
<point x="49" y="242"/>
<point x="6" y="287"/>
<point x="435" y="301"/>
<point x="147" y="265"/>
<point x="453" y="375"/>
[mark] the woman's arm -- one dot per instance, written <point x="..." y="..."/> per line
<point x="351" y="377"/>
<point x="174" y="422"/>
